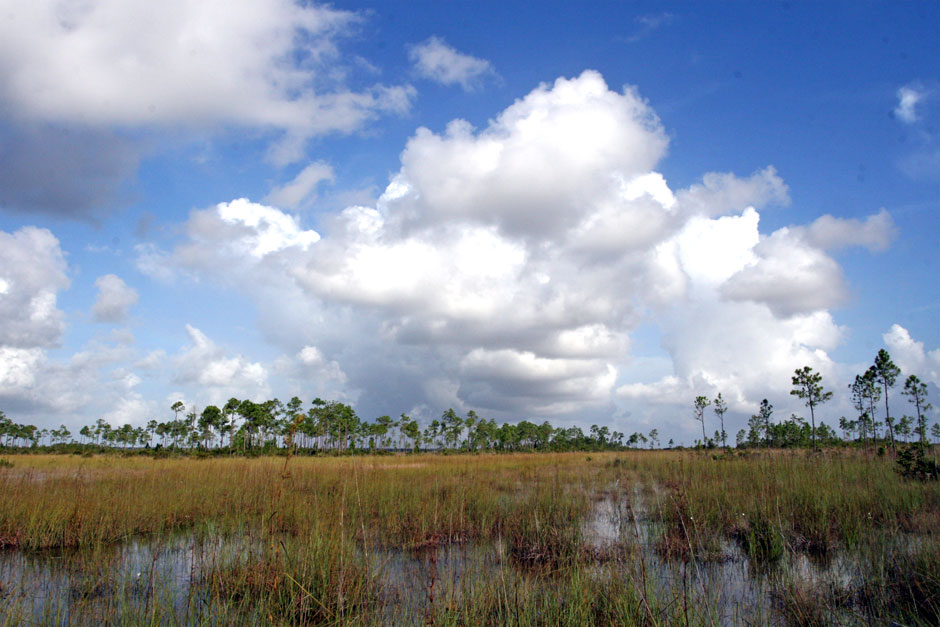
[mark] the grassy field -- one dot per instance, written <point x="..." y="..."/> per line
<point x="642" y="537"/>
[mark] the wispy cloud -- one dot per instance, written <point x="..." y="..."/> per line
<point x="908" y="99"/>
<point x="435" y="60"/>
<point x="646" y="24"/>
<point x="301" y="191"/>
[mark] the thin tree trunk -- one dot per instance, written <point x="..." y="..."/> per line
<point x="894" y="448"/>
<point x="812" y="417"/>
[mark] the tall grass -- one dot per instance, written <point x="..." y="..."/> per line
<point x="314" y="542"/>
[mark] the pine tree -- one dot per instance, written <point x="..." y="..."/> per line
<point x="808" y="386"/>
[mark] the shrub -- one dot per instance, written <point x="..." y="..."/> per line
<point x="913" y="464"/>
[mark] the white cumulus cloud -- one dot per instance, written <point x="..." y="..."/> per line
<point x="789" y="276"/>
<point x="507" y="268"/>
<point x="540" y="167"/>
<point x="226" y="237"/>
<point x="32" y="272"/>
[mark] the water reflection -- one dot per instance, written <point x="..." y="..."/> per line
<point x="619" y="540"/>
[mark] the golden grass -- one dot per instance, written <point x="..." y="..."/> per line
<point x="318" y="524"/>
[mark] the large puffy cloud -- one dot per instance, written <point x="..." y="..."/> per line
<point x="543" y="165"/>
<point x="32" y="272"/>
<point x="507" y="268"/>
<point x="754" y="310"/>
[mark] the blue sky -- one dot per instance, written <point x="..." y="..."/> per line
<point x="587" y="214"/>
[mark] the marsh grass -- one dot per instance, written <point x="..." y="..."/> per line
<point x="492" y="539"/>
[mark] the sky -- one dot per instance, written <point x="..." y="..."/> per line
<point x="587" y="213"/>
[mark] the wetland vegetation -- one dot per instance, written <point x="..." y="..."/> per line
<point x="631" y="537"/>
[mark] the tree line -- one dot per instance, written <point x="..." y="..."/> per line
<point x="244" y="426"/>
<point x="866" y="393"/>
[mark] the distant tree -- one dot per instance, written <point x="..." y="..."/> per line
<point x="700" y="404"/>
<point x="765" y="414"/>
<point x="935" y="432"/>
<point x="383" y="425"/>
<point x="125" y="435"/>
<point x="230" y="410"/>
<point x="452" y="426"/>
<point x="470" y="421"/>
<point x="808" y="387"/>
<point x="845" y="425"/>
<point x="294" y="407"/>
<point x="61" y="434"/>
<point x="886" y="373"/>
<point x="210" y="420"/>
<point x="654" y="438"/>
<point x="865" y="395"/>
<point x="853" y="428"/>
<point x="916" y="392"/>
<point x="101" y="429"/>
<point x="431" y="432"/>
<point x="151" y="428"/>
<point x="755" y="430"/>
<point x="720" y="408"/>
<point x="904" y="427"/>
<point x="492" y="429"/>
<point x="410" y="430"/>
